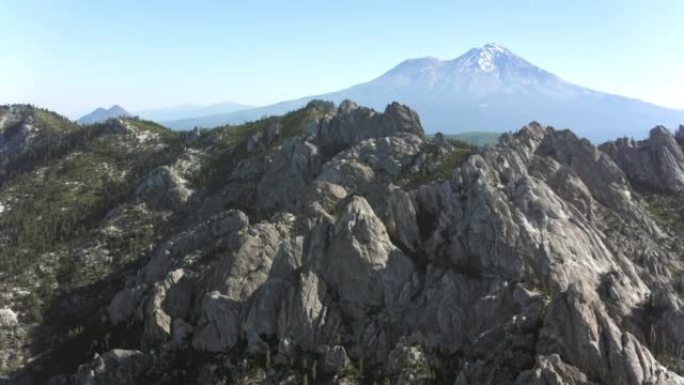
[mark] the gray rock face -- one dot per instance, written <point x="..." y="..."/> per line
<point x="164" y="188"/>
<point x="18" y="132"/>
<point x="513" y="260"/>
<point x="8" y="318"/>
<point x="285" y="183"/>
<point x="679" y="135"/>
<point x="281" y="180"/>
<point x="157" y="320"/>
<point x="402" y="357"/>
<point x="551" y="370"/>
<point x="336" y="359"/>
<point x="116" y="367"/>
<point x="370" y="166"/>
<point x="656" y="163"/>
<point x="535" y="261"/>
<point x="219" y="326"/>
<point x="579" y="329"/>
<point x="352" y="124"/>
<point x="361" y="264"/>
<point x="666" y="333"/>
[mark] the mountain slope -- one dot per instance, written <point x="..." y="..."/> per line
<point x="486" y="89"/>
<point x="101" y="114"/>
<point x="340" y="245"/>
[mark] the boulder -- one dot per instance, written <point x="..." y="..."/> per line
<point x="115" y="367"/>
<point x="361" y="262"/>
<point x="352" y="123"/>
<point x="164" y="188"/>
<point x="335" y="359"/>
<point x="655" y="163"/>
<point x="8" y="318"/>
<point x="578" y="328"/>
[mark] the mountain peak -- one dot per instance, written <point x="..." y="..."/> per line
<point x="488" y="58"/>
<point x="101" y="114"/>
<point x="484" y="89"/>
<point x="494" y="47"/>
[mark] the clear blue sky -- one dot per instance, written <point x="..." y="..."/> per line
<point x="72" y="56"/>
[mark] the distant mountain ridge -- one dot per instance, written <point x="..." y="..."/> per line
<point x="477" y="138"/>
<point x="486" y="89"/>
<point x="191" y="111"/>
<point x="102" y="114"/>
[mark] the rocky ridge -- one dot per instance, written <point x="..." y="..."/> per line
<point x="340" y="254"/>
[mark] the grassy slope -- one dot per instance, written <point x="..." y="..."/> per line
<point x="60" y="193"/>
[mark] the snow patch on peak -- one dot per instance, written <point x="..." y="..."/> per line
<point x="488" y="55"/>
<point x="486" y="61"/>
<point x="493" y="60"/>
<point x="494" y="47"/>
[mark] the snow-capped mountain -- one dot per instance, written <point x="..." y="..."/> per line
<point x="488" y="89"/>
<point x="102" y="114"/>
<point x="478" y="73"/>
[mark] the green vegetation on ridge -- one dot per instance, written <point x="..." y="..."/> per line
<point x="228" y="143"/>
<point x="62" y="191"/>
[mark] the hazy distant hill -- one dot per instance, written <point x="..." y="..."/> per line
<point x="215" y="120"/>
<point x="190" y="111"/>
<point x="486" y="89"/>
<point x="103" y="114"/>
<point x="477" y="138"/>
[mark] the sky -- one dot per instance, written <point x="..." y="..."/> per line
<point x="73" y="56"/>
